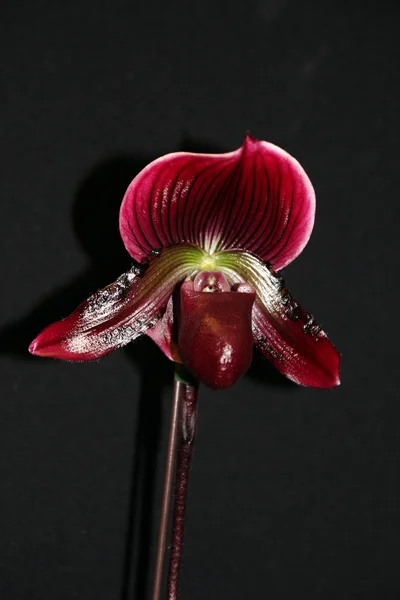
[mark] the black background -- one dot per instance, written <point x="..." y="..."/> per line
<point x="294" y="492"/>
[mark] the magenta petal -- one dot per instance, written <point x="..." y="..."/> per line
<point x="291" y="339"/>
<point x="257" y="198"/>
<point x="285" y="334"/>
<point x="98" y="326"/>
<point x="119" y="313"/>
<point x="297" y="347"/>
<point x="215" y="339"/>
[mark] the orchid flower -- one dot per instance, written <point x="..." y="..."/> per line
<point x="209" y="234"/>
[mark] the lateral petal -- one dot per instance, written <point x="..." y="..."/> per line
<point x="162" y="333"/>
<point x="285" y="334"/>
<point x="119" y="313"/>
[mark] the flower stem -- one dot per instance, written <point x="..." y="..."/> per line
<point x="182" y="432"/>
<point x="186" y="436"/>
<point x="162" y="536"/>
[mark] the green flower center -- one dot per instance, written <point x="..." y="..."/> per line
<point x="208" y="263"/>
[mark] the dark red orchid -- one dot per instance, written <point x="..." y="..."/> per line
<point x="208" y="233"/>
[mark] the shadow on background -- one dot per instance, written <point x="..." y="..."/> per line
<point x="96" y="206"/>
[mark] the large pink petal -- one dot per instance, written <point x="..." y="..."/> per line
<point x="119" y="313"/>
<point x="257" y="198"/>
<point x="286" y="334"/>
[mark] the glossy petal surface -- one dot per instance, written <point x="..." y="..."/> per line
<point x="257" y="198"/>
<point x="215" y="337"/>
<point x="119" y="313"/>
<point x="285" y="334"/>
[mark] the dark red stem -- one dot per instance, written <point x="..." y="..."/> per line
<point x="186" y="436"/>
<point x="162" y="536"/>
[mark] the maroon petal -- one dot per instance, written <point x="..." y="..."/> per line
<point x="257" y="198"/>
<point x="162" y="333"/>
<point x="215" y="338"/>
<point x="283" y="331"/>
<point x="119" y="313"/>
<point x="296" y="346"/>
